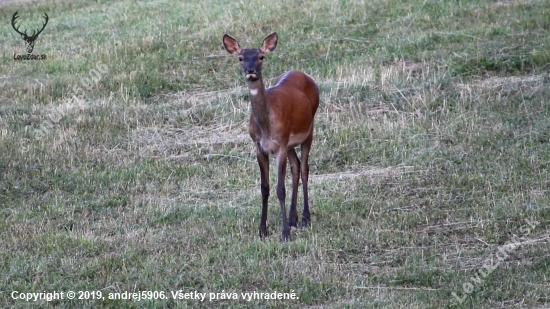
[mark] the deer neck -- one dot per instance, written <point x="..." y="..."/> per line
<point x="260" y="106"/>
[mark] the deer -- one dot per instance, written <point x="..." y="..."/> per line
<point x="281" y="119"/>
<point x="29" y="40"/>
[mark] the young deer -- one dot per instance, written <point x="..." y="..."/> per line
<point x="281" y="119"/>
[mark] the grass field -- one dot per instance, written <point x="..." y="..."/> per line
<point x="431" y="154"/>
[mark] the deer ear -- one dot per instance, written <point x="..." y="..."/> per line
<point x="231" y="45"/>
<point x="270" y="42"/>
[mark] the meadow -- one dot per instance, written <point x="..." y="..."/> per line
<point x="126" y="164"/>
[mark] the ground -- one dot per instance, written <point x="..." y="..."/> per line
<point x="126" y="165"/>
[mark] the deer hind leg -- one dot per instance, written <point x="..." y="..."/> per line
<point x="263" y="162"/>
<point x="281" y="173"/>
<point x="305" y="148"/>
<point x="295" y="169"/>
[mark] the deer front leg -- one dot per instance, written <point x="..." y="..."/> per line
<point x="281" y="173"/>
<point x="295" y="169"/>
<point x="263" y="162"/>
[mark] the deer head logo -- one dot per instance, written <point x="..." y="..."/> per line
<point x="29" y="40"/>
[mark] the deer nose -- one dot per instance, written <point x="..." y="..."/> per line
<point x="250" y="71"/>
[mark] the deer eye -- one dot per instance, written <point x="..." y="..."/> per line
<point x="262" y="57"/>
<point x="240" y="58"/>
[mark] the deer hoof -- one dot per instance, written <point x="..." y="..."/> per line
<point x="305" y="223"/>
<point x="263" y="231"/>
<point x="286" y="235"/>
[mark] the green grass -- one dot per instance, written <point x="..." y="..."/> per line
<point x="431" y="150"/>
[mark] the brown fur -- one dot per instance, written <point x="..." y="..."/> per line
<point x="281" y="119"/>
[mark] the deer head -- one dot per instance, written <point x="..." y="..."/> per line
<point x="251" y="59"/>
<point x="29" y="40"/>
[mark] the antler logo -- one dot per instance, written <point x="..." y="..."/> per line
<point x="29" y="40"/>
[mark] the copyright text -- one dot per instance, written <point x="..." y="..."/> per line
<point x="158" y="295"/>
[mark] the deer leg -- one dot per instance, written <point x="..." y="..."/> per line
<point x="281" y="173"/>
<point x="263" y="162"/>
<point x="295" y="169"/>
<point x="305" y="148"/>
